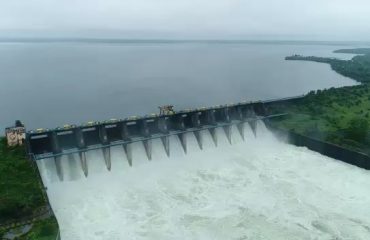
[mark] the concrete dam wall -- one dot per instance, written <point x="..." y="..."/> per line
<point x="74" y="140"/>
<point x="70" y="142"/>
<point x="331" y="150"/>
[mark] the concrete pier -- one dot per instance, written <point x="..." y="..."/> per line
<point x="212" y="131"/>
<point x="83" y="162"/>
<point x="58" y="166"/>
<point x="253" y="125"/>
<point x="148" y="148"/>
<point x="227" y="130"/>
<point x="166" y="144"/>
<point x="240" y="127"/>
<point x="182" y="137"/>
<point x="199" y="139"/>
<point x="128" y="152"/>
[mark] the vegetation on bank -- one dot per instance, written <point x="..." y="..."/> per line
<point x="43" y="230"/>
<point x="336" y="115"/>
<point x="20" y="192"/>
<point x="21" y="196"/>
<point x="46" y="229"/>
<point x="358" y="68"/>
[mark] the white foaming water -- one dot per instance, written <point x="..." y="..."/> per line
<point x="257" y="189"/>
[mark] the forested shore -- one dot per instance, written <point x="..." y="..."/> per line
<point x="336" y="115"/>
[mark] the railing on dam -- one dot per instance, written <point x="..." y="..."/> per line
<point x="73" y="139"/>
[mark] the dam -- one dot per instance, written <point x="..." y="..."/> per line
<point x="71" y="139"/>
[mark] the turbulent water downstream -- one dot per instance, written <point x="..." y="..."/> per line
<point x="258" y="189"/>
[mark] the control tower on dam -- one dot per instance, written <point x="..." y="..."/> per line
<point x="79" y="139"/>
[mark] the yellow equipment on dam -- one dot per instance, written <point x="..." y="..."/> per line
<point x="71" y="139"/>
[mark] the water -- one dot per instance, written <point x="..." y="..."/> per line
<point x="51" y="84"/>
<point x="257" y="189"/>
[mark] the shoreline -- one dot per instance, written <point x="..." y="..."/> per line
<point x="336" y="115"/>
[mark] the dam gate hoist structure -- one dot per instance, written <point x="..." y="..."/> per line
<point x="73" y="139"/>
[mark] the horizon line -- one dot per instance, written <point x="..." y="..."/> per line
<point x="166" y="40"/>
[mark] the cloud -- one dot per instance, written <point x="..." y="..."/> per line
<point x="191" y="18"/>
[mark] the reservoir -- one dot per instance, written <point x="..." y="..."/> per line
<point x="49" y="84"/>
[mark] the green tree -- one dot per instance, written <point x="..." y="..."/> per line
<point x="358" y="129"/>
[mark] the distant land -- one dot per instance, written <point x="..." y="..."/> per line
<point x="174" y="41"/>
<point x="354" y="51"/>
<point x="358" y="68"/>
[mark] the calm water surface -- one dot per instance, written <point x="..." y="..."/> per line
<point x="50" y="84"/>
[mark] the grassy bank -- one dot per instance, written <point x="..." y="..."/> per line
<point x="21" y="196"/>
<point x="337" y="115"/>
<point x="340" y="116"/>
<point x="20" y="193"/>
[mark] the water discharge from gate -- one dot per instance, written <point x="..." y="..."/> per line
<point x="259" y="188"/>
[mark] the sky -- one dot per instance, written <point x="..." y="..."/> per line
<point x="188" y="19"/>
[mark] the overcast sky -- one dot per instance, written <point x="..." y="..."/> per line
<point x="222" y="19"/>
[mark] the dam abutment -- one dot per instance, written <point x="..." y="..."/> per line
<point x="340" y="153"/>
